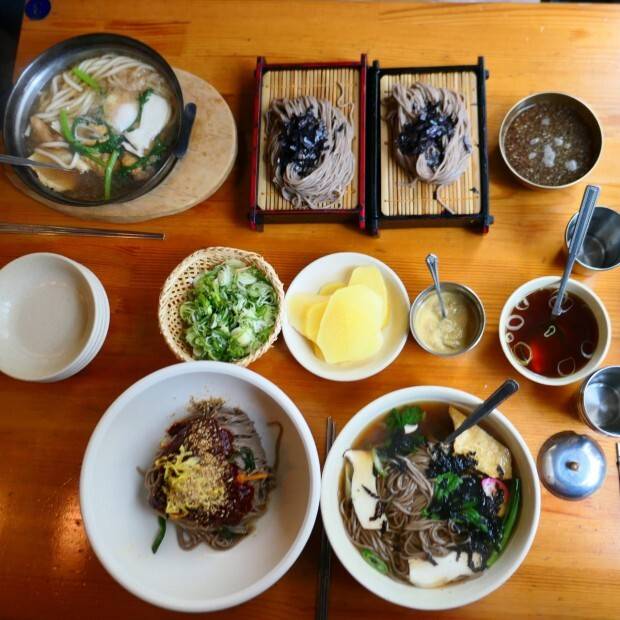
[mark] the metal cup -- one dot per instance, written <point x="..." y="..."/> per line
<point x="601" y="247"/>
<point x="598" y="401"/>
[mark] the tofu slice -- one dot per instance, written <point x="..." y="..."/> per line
<point x="425" y="574"/>
<point x="363" y="481"/>
<point x="493" y="457"/>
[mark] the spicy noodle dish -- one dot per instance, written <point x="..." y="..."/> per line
<point x="211" y="477"/>
<point x="424" y="513"/>
<point x="109" y="121"/>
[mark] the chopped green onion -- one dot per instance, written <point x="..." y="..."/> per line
<point x="375" y="561"/>
<point x="65" y="127"/>
<point x="160" y="534"/>
<point x="107" y="177"/>
<point x="378" y="465"/>
<point x="88" y="79"/>
<point x="509" y="521"/>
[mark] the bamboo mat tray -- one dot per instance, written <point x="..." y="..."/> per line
<point x="399" y="197"/>
<point x="205" y="167"/>
<point x="341" y="88"/>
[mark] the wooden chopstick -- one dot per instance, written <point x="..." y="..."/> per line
<point x="325" y="563"/>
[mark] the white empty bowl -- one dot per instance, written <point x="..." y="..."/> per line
<point x="600" y="314"/>
<point x="338" y="267"/>
<point x="54" y="316"/>
<point x="121" y="526"/>
<point x="451" y="595"/>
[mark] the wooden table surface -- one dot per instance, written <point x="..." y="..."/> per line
<point x="47" y="569"/>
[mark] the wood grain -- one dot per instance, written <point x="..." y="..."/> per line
<point x="47" y="568"/>
<point x="192" y="180"/>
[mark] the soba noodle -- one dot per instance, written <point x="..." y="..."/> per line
<point x="327" y="181"/>
<point x="450" y="152"/>
<point x="191" y="533"/>
<point x="405" y="492"/>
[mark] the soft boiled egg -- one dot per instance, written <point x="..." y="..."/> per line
<point x="364" y="490"/>
<point x="155" y="115"/>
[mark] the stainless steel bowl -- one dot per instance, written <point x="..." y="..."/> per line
<point x="598" y="401"/>
<point x="58" y="58"/>
<point x="476" y="305"/>
<point x="601" y="247"/>
<point x="583" y="109"/>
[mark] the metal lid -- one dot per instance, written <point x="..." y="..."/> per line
<point x="571" y="466"/>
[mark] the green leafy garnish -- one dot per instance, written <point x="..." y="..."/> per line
<point x="160" y="534"/>
<point x="230" y="313"/>
<point x="469" y="514"/>
<point x="151" y="158"/>
<point x="399" y="418"/>
<point x="247" y="455"/>
<point x="107" y="177"/>
<point x="143" y="97"/>
<point x="375" y="561"/>
<point x="445" y="485"/>
<point x="68" y="134"/>
<point x="509" y="520"/>
<point x="88" y="79"/>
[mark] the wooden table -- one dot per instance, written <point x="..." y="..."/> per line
<point x="47" y="569"/>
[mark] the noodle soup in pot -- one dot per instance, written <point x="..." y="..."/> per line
<point x="105" y="108"/>
<point x="422" y="513"/>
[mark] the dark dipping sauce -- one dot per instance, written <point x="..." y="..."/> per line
<point x="555" y="348"/>
<point x="549" y="144"/>
<point x="204" y="438"/>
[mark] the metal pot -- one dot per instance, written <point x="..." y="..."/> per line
<point x="58" y="58"/>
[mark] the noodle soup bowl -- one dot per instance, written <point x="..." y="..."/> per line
<point x="121" y="526"/>
<point x="53" y="61"/>
<point x="454" y="594"/>
<point x="585" y="294"/>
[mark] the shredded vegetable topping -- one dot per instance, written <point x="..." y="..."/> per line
<point x="230" y="313"/>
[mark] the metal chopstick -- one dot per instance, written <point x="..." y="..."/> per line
<point x="37" y="229"/>
<point x="325" y="564"/>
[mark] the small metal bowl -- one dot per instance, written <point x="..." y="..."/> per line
<point x="583" y="109"/>
<point x="598" y="401"/>
<point x="475" y="303"/>
<point x="601" y="247"/>
<point x="52" y="61"/>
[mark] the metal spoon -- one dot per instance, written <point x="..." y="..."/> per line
<point x="432" y="262"/>
<point x="508" y="388"/>
<point x="588" y="203"/>
<point x="24" y="161"/>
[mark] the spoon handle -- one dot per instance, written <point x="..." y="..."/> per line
<point x="23" y="161"/>
<point x="588" y="203"/>
<point x="508" y="388"/>
<point x="432" y="262"/>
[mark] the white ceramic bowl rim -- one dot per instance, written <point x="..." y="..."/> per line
<point x="96" y="311"/>
<point x="363" y="370"/>
<point x="336" y="531"/>
<point x="86" y="491"/>
<point x="526" y="289"/>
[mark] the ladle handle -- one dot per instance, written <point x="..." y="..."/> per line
<point x="432" y="262"/>
<point x="508" y="388"/>
<point x="588" y="204"/>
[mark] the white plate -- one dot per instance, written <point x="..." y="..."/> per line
<point x="121" y="526"/>
<point x="334" y="267"/>
<point x="460" y="593"/>
<point x="47" y="316"/>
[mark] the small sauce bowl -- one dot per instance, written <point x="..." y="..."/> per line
<point x="477" y="310"/>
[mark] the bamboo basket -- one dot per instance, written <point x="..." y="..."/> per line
<point x="178" y="284"/>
